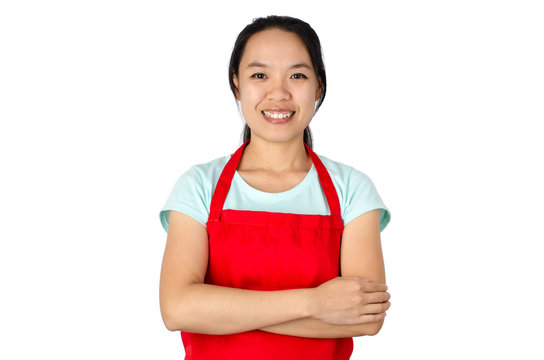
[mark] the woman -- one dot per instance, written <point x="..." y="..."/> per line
<point x="288" y="265"/>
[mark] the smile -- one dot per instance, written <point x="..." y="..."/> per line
<point x="277" y="114"/>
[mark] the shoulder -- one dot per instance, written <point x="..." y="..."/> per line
<point x="193" y="191"/>
<point x="356" y="191"/>
<point x="204" y="173"/>
<point x="344" y="175"/>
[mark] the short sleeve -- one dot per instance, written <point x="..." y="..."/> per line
<point x="361" y="197"/>
<point x="188" y="196"/>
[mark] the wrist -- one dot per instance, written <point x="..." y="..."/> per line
<point x="309" y="302"/>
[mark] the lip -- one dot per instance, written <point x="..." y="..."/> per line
<point x="278" y="121"/>
<point x="277" y="109"/>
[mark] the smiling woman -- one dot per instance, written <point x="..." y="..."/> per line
<point x="305" y="34"/>
<point x="274" y="251"/>
<point x="276" y="83"/>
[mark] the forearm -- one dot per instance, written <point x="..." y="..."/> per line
<point x="314" y="328"/>
<point x="219" y="310"/>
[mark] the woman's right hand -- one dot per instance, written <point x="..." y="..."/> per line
<point x="349" y="301"/>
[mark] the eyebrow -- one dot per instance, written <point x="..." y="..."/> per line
<point x="295" y="66"/>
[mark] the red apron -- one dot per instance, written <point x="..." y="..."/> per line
<point x="260" y="250"/>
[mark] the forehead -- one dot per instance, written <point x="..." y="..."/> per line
<point x="275" y="47"/>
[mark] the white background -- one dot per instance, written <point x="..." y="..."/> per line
<point x="104" y="104"/>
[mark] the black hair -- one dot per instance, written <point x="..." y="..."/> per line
<point x="286" y="23"/>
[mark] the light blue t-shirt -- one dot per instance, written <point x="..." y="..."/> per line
<point x="192" y="194"/>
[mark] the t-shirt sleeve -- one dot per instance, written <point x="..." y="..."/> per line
<point x="188" y="196"/>
<point x="362" y="197"/>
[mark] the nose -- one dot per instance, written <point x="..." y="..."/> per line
<point x="279" y="90"/>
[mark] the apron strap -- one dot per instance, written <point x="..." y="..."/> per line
<point x="223" y="184"/>
<point x="225" y="180"/>
<point x="327" y="185"/>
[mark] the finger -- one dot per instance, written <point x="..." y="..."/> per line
<point x="376" y="297"/>
<point x="369" y="286"/>
<point x="367" y="281"/>
<point x="370" y="318"/>
<point x="370" y="309"/>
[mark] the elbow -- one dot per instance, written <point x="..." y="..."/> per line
<point x="171" y="325"/>
<point x="171" y="319"/>
<point x="370" y="329"/>
<point x="375" y="328"/>
<point x="175" y="314"/>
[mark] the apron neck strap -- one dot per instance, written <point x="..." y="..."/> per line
<point x="225" y="180"/>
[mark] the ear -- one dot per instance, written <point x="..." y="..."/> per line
<point x="237" y="92"/>
<point x="318" y="92"/>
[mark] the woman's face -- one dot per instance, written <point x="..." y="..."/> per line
<point x="276" y="79"/>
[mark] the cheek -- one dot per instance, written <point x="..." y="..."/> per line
<point x="306" y="98"/>
<point x="250" y="101"/>
<point x="251" y="94"/>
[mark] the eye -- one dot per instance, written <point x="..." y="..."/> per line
<point x="258" y="76"/>
<point x="300" y="76"/>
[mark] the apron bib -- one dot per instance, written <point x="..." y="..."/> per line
<point x="259" y="250"/>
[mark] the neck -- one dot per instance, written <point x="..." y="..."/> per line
<point x="275" y="157"/>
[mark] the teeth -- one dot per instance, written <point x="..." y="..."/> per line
<point x="276" y="115"/>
